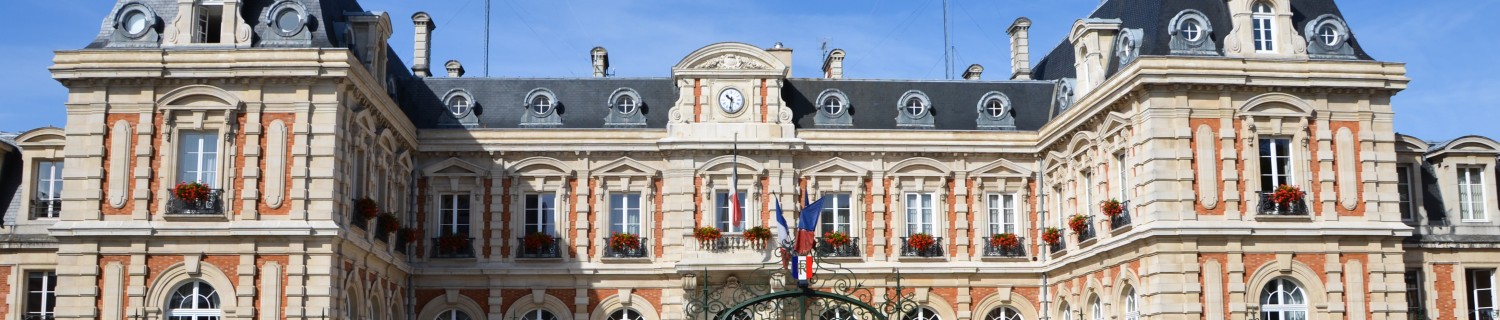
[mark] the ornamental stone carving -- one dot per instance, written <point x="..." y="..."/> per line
<point x="733" y="62"/>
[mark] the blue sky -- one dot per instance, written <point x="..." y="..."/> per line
<point x="1447" y="45"/>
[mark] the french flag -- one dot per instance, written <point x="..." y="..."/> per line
<point x="807" y="224"/>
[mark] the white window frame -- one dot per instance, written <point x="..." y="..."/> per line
<point x="1002" y="213"/>
<point x="48" y="293"/>
<point x="1473" y="291"/>
<point x="450" y="221"/>
<point x="625" y="213"/>
<point x="48" y="187"/>
<point x="1120" y="171"/>
<point x="1096" y="309"/>
<point x="722" y="214"/>
<point x="1263" y="26"/>
<point x="923" y="313"/>
<point x="1132" y="307"/>
<point x="1088" y="194"/>
<point x="1278" y="178"/>
<point x="206" y="162"/>
<point x="1405" y="193"/>
<point x="453" y="314"/>
<point x="197" y="312"/>
<point x="1283" y="308"/>
<point x="1003" y="313"/>
<point x="1471" y="202"/>
<point x="539" y="314"/>
<point x="838" y="214"/>
<point x="920" y="217"/>
<point x="1066" y="314"/>
<point x="202" y="24"/>
<point x="541" y="218"/>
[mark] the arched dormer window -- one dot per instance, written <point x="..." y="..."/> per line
<point x="542" y="109"/>
<point x="995" y="112"/>
<point x="1192" y="34"/>
<point x="1127" y="46"/>
<point x="915" y="110"/>
<point x="1328" y="38"/>
<point x="1263" y="25"/>
<point x="626" y="109"/>
<point x="833" y="109"/>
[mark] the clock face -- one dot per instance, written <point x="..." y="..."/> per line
<point x="731" y="101"/>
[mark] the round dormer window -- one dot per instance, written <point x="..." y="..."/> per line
<point x="1328" y="34"/>
<point x="625" y="104"/>
<point x="136" y="23"/>
<point x="287" y="19"/>
<point x="994" y="108"/>
<point x="459" y="105"/>
<point x="1192" y="30"/>
<point x="541" y="104"/>
<point x="914" y="107"/>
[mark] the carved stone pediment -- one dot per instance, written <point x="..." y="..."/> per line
<point x="733" y="62"/>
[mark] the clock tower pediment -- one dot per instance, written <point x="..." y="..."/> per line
<point x="730" y="90"/>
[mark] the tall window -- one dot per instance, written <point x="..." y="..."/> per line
<point x="48" y="189"/>
<point x="1064" y="311"/>
<point x="919" y="215"/>
<point x="452" y="315"/>
<point x="453" y="212"/>
<point x="1415" y="299"/>
<point x="1002" y="213"/>
<point x="1275" y="163"/>
<point x="1088" y="195"/>
<point x="1132" y="311"/>
<point x="41" y="294"/>
<point x="727" y="221"/>
<point x="198" y="158"/>
<point x="1096" y="311"/>
<point x="360" y="173"/>
<point x="538" y="314"/>
<point x="837" y="212"/>
<point x="1120" y="176"/>
<point x="1264" y="26"/>
<point x="625" y="213"/>
<point x="540" y="208"/>
<point x="1003" y="313"/>
<point x="1403" y="186"/>
<point x="1282" y="299"/>
<point x="194" y="301"/>
<point x="210" y="21"/>
<point x="1471" y="193"/>
<point x="1481" y="294"/>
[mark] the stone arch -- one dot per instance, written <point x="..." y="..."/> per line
<point x="1410" y="144"/>
<point x="539" y="300"/>
<point x="708" y="166"/>
<point x="355" y="294"/>
<point x="1466" y="144"/>
<point x="904" y="165"/>
<point x="614" y="302"/>
<point x="1311" y="283"/>
<point x="181" y="273"/>
<point x="541" y="162"/>
<point x="451" y="300"/>
<point x="1007" y="298"/>
<point x="705" y="55"/>
<point x="200" y="97"/>
<point x="1095" y="288"/>
<point x="1080" y="141"/>
<point x="1276" y="104"/>
<point x="944" y="308"/>
<point x="44" y="135"/>
<point x="1125" y="281"/>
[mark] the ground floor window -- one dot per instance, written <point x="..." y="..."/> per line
<point x="1283" y="299"/>
<point x="1481" y="294"/>
<point x="195" y="300"/>
<point x="41" y="294"/>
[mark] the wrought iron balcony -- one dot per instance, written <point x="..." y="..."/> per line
<point x="1271" y="208"/>
<point x="545" y="250"/>
<point x="929" y="251"/>
<point x="1087" y="233"/>
<point x="1057" y="247"/>
<point x="825" y="248"/>
<point x="625" y="251"/>
<point x="1121" y="220"/>
<point x="210" y="204"/>
<point x="46" y="208"/>
<point x="455" y="248"/>
<point x="1016" y="251"/>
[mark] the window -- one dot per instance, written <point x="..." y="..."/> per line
<point x="625" y="104"/>
<point x="914" y="107"/>
<point x="837" y="214"/>
<point x="1275" y="163"/>
<point x="198" y="158"/>
<point x="538" y="314"/>
<point x="136" y="21"/>
<point x="287" y="19"/>
<point x="361" y="175"/>
<point x="1282" y="299"/>
<point x="1065" y="314"/>
<point x="1003" y="313"/>
<point x="1264" y="26"/>
<point x="919" y="215"/>
<point x="541" y="104"/>
<point x="1481" y="294"/>
<point x="459" y="105"/>
<point x="1002" y="213"/>
<point x="540" y="208"/>
<point x="452" y="315"/>
<point x="1471" y="205"/>
<point x="453" y="212"/>
<point x="994" y="108"/>
<point x="41" y="294"/>
<point x="626" y="314"/>
<point x="1132" y="311"/>
<point x="1403" y="186"/>
<point x="727" y="221"/>
<point x="625" y="213"/>
<point x="1415" y="299"/>
<point x="1328" y="34"/>
<point x="195" y="300"/>
<point x="832" y="106"/>
<point x="1096" y="311"/>
<point x="210" y="21"/>
<point x="838" y="314"/>
<point x="1191" y="30"/>
<point x="922" y="313"/>
<point x="48" y="189"/>
<point x="1088" y="194"/>
<point x="1120" y="169"/>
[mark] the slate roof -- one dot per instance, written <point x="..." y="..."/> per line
<point x="583" y="103"/>
<point x="10" y="180"/>
<point x="325" y="15"/>
<point x="955" y="103"/>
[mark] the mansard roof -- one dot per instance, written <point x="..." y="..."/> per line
<point x="326" y="14"/>
<point x="955" y="103"/>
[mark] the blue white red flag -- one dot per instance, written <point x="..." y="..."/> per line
<point x="807" y="223"/>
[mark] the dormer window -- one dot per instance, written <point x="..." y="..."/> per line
<point x="541" y="104"/>
<point x="914" y="110"/>
<point x="625" y="104"/>
<point x="542" y="108"/>
<point x="1328" y="35"/>
<point x="914" y="107"/>
<point x="833" y="105"/>
<point x="833" y="109"/>
<point x="210" y="21"/>
<point x="459" y="105"/>
<point x="1264" y="27"/>
<point x="136" y="22"/>
<point x="994" y="108"/>
<point x="287" y="18"/>
<point x="1191" y="30"/>
<point x="626" y="109"/>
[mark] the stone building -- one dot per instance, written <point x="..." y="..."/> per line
<point x="341" y="183"/>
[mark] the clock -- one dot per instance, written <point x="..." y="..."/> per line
<point x="731" y="101"/>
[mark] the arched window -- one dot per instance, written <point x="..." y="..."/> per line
<point x="1066" y="315"/>
<point x="538" y="314"/>
<point x="1132" y="312"/>
<point x="626" y="314"/>
<point x="195" y="300"/>
<point x="452" y="315"/>
<point x="1096" y="311"/>
<point x="837" y="314"/>
<point x="1263" y="21"/>
<point x="1003" y="313"/>
<point x="923" y="313"/>
<point x="1282" y="299"/>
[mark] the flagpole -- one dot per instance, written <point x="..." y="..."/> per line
<point x="734" y="184"/>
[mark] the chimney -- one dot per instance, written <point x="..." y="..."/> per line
<point x="782" y="53"/>
<point x="455" y="69"/>
<point x="833" y="64"/>
<point x="973" y="72"/>
<point x="601" y="61"/>
<point x="420" y="63"/>
<point x="1020" y="49"/>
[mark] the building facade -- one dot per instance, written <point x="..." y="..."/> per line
<point x="258" y="159"/>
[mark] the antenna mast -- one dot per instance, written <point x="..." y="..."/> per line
<point x="486" y="38"/>
<point x="947" y="62"/>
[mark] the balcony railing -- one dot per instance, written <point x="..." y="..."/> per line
<point x="46" y="208"/>
<point x="933" y="250"/>
<point x="1088" y="231"/>
<point x="37" y="317"/>
<point x="463" y="249"/>
<point x="1016" y="251"/>
<point x="731" y="242"/>
<point x="537" y="251"/>
<point x="1271" y="208"/>
<point x="1121" y="220"/>
<point x="1057" y="247"/>
<point x="827" y="249"/>
<point x="636" y="251"/>
<point x="210" y="204"/>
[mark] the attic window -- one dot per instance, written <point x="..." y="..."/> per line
<point x="287" y="18"/>
<point x="1192" y="30"/>
<point x="994" y="107"/>
<point x="1264" y="27"/>
<point x="832" y="105"/>
<point x="135" y="23"/>
<point x="914" y="107"/>
<point x="541" y="104"/>
<point x="625" y="104"/>
<point x="210" y="21"/>
<point x="459" y="105"/>
<point x="1329" y="35"/>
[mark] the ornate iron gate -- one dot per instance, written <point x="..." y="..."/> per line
<point x="837" y="293"/>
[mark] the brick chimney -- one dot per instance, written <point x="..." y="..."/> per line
<point x="421" y="61"/>
<point x="600" y="57"/>
<point x="1020" y="49"/>
<point x="973" y="72"/>
<point x="455" y="69"/>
